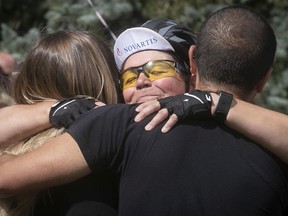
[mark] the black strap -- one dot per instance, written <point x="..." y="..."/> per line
<point x="223" y="106"/>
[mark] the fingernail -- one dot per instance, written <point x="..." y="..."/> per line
<point x="148" y="127"/>
<point x="164" y="130"/>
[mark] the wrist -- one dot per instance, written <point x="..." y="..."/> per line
<point x="45" y="110"/>
<point x="221" y="105"/>
<point x="215" y="99"/>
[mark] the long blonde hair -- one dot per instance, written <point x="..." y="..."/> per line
<point x="65" y="64"/>
<point x="61" y="65"/>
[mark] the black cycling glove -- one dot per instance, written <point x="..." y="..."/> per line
<point x="196" y="105"/>
<point x="64" y="113"/>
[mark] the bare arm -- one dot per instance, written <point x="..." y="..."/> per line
<point x="266" y="127"/>
<point x="56" y="162"/>
<point x="21" y="121"/>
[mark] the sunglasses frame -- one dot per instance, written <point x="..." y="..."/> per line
<point x="141" y="69"/>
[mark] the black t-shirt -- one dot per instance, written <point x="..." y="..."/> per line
<point x="198" y="168"/>
<point x="100" y="187"/>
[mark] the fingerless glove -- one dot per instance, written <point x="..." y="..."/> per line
<point x="196" y="105"/>
<point x="64" y="113"/>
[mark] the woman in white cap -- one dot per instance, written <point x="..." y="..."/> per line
<point x="153" y="60"/>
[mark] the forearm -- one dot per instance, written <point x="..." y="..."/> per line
<point x="57" y="162"/>
<point x="266" y="127"/>
<point x="21" y="121"/>
<point x="6" y="157"/>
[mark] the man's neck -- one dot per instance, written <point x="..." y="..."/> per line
<point x="248" y="97"/>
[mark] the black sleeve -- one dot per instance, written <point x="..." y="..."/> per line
<point x="100" y="134"/>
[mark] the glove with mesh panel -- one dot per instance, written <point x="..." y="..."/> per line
<point x="196" y="105"/>
<point x="64" y="113"/>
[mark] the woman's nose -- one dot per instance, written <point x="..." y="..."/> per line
<point x="143" y="81"/>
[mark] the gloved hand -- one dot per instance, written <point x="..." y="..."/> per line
<point x="64" y="113"/>
<point x="196" y="105"/>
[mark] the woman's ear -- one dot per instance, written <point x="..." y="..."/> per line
<point x="192" y="59"/>
<point x="193" y="68"/>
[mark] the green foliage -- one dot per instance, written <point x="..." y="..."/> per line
<point x="23" y="21"/>
<point x="14" y="44"/>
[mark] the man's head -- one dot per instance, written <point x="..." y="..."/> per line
<point x="137" y="52"/>
<point x="235" y="50"/>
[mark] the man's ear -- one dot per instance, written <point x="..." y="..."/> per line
<point x="261" y="84"/>
<point x="193" y="68"/>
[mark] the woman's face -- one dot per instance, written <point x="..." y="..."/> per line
<point x="147" y="90"/>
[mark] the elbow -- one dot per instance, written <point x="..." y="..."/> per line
<point x="3" y="194"/>
<point x="7" y="187"/>
<point x="5" y="191"/>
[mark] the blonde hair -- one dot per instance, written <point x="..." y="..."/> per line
<point x="61" y="65"/>
<point x="25" y="202"/>
<point x="65" y="64"/>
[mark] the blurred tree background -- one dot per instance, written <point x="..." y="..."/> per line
<point x="23" y="21"/>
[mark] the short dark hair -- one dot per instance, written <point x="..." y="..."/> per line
<point x="235" y="47"/>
